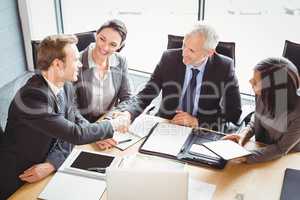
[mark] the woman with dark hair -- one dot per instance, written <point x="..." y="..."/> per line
<point x="276" y="122"/>
<point x="103" y="78"/>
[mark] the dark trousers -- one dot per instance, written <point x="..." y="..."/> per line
<point x="9" y="181"/>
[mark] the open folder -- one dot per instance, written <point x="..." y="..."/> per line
<point x="81" y="175"/>
<point x="196" y="146"/>
<point x="139" y="129"/>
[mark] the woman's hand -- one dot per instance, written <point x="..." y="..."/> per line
<point x="233" y="137"/>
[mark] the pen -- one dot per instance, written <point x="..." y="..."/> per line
<point x="123" y="141"/>
<point x="97" y="169"/>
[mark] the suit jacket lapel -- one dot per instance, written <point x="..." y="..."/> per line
<point x="182" y="71"/>
<point x="206" y="78"/>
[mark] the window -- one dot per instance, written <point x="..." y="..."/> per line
<point x="259" y="29"/>
<point x="148" y="23"/>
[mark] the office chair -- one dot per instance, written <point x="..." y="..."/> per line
<point x="35" y="45"/>
<point x="1" y="134"/>
<point x="224" y="48"/>
<point x="84" y="39"/>
<point x="291" y="51"/>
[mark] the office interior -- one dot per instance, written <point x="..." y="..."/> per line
<point x="258" y="28"/>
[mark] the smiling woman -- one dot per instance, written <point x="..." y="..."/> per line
<point x="103" y="79"/>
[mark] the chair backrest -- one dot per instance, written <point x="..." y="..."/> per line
<point x="84" y="39"/>
<point x="291" y="51"/>
<point x="35" y="45"/>
<point x="1" y="134"/>
<point x="224" y="48"/>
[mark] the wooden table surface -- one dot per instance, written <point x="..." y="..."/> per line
<point x="236" y="181"/>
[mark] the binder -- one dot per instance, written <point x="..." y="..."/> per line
<point x="290" y="187"/>
<point x="163" y="134"/>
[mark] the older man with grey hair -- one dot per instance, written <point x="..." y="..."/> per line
<point x="193" y="81"/>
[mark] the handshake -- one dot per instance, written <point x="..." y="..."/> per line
<point x="120" y="121"/>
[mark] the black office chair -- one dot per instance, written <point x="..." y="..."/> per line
<point x="224" y="48"/>
<point x="84" y="39"/>
<point x="35" y="45"/>
<point x="1" y="134"/>
<point x="291" y="51"/>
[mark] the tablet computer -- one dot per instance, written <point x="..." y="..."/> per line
<point x="89" y="163"/>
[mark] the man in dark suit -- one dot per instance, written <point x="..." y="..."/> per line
<point x="43" y="122"/>
<point x="198" y="85"/>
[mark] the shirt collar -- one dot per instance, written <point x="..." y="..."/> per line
<point x="200" y="67"/>
<point x="53" y="87"/>
<point x="112" y="60"/>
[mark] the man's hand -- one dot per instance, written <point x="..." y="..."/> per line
<point x="106" y="144"/>
<point x="37" y="172"/>
<point x="121" y="121"/>
<point x="185" y="119"/>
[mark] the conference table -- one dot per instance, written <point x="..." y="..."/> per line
<point x="235" y="181"/>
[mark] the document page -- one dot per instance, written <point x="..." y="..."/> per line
<point x="69" y="187"/>
<point x="167" y="138"/>
<point x="139" y="129"/>
<point x="200" y="149"/>
<point x="142" y="125"/>
<point x="227" y="149"/>
<point x="200" y="190"/>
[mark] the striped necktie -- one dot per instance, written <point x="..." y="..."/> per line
<point x="189" y="96"/>
<point x="61" y="101"/>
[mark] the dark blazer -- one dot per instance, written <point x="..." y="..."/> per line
<point x="119" y="72"/>
<point x="34" y="124"/>
<point x="220" y="97"/>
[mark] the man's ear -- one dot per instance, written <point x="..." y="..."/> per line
<point x="210" y="52"/>
<point x="58" y="63"/>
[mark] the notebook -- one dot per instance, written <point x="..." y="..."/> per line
<point x="290" y="187"/>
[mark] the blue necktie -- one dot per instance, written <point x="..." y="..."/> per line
<point x="61" y="101"/>
<point x="190" y="93"/>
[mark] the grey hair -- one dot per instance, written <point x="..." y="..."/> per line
<point x="209" y="33"/>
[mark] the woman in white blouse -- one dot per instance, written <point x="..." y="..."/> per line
<point x="103" y="79"/>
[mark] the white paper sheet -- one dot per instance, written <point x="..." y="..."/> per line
<point x="142" y="125"/>
<point x="139" y="129"/>
<point x="199" y="190"/>
<point x="200" y="149"/>
<point x="71" y="187"/>
<point x="167" y="138"/>
<point x="119" y="137"/>
<point x="227" y="149"/>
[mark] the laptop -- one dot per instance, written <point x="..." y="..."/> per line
<point x="137" y="184"/>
